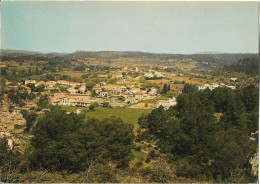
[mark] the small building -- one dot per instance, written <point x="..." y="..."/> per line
<point x="103" y="94"/>
<point x="30" y="82"/>
<point x="97" y="89"/>
<point x="166" y="103"/>
<point x="26" y="88"/>
<point x="82" y="89"/>
<point x="72" y="90"/>
<point x="40" y="83"/>
<point x="50" y="84"/>
<point x="233" y="79"/>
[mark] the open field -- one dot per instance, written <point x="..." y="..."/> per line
<point x="128" y="115"/>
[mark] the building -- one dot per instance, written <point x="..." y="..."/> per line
<point x="115" y="89"/>
<point x="233" y="79"/>
<point x="9" y="120"/>
<point x="97" y="89"/>
<point x="68" y="83"/>
<point x="30" y="82"/>
<point x="166" y="103"/>
<point x="213" y="86"/>
<point x="72" y="90"/>
<point x="50" y="84"/>
<point x="82" y="89"/>
<point x="40" y="83"/>
<point x="103" y="94"/>
<point x="26" y="88"/>
<point x="69" y="99"/>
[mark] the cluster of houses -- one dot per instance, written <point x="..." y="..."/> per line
<point x="116" y="95"/>
<point x="8" y="120"/>
<point x="77" y="94"/>
<point x="151" y="74"/>
<point x="23" y="88"/>
<point x="75" y="100"/>
<point x="213" y="86"/>
<point x="74" y="87"/>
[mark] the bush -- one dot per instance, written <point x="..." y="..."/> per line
<point x="105" y="104"/>
<point x="93" y="106"/>
<point x="69" y="144"/>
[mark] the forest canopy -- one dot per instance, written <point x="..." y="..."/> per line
<point x="209" y="134"/>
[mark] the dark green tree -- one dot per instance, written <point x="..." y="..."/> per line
<point x="64" y="142"/>
<point x="189" y="88"/>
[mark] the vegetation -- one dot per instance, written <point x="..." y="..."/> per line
<point x="209" y="136"/>
<point x="9" y="160"/>
<point x="166" y="89"/>
<point x="249" y="66"/>
<point x="128" y="115"/>
<point x="189" y="88"/>
<point x="202" y="146"/>
<point x="30" y="119"/>
<point x="71" y="144"/>
<point x="17" y="95"/>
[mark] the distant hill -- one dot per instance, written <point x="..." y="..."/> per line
<point x="249" y="66"/>
<point x="210" y="52"/>
<point x="5" y="52"/>
<point x="205" y="60"/>
<point x="208" y="60"/>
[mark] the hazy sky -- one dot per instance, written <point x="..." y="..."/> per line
<point x="161" y="27"/>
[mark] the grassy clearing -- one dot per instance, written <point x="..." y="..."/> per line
<point x="128" y="115"/>
<point x="138" y="157"/>
<point x="71" y="109"/>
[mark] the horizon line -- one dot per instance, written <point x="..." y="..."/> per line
<point x="200" y="52"/>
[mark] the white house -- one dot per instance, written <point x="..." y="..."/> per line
<point x="166" y="103"/>
<point x="72" y="90"/>
<point x="30" y="82"/>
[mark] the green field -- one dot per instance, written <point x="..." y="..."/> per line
<point x="128" y="115"/>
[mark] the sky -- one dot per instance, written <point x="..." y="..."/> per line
<point x="156" y="27"/>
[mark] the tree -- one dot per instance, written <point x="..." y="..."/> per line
<point x="30" y="119"/>
<point x="63" y="142"/>
<point x="189" y="88"/>
<point x="93" y="106"/>
<point x="105" y="104"/>
<point x="250" y="98"/>
<point x="32" y="86"/>
<point x="165" y="88"/>
<point x="9" y="160"/>
<point x="201" y="145"/>
<point x="43" y="102"/>
<point x="29" y="71"/>
<point x="39" y="88"/>
<point x="50" y="134"/>
<point x="3" y="72"/>
<point x="112" y="81"/>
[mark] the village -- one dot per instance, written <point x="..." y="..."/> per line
<point x="129" y="92"/>
<point x="126" y="92"/>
